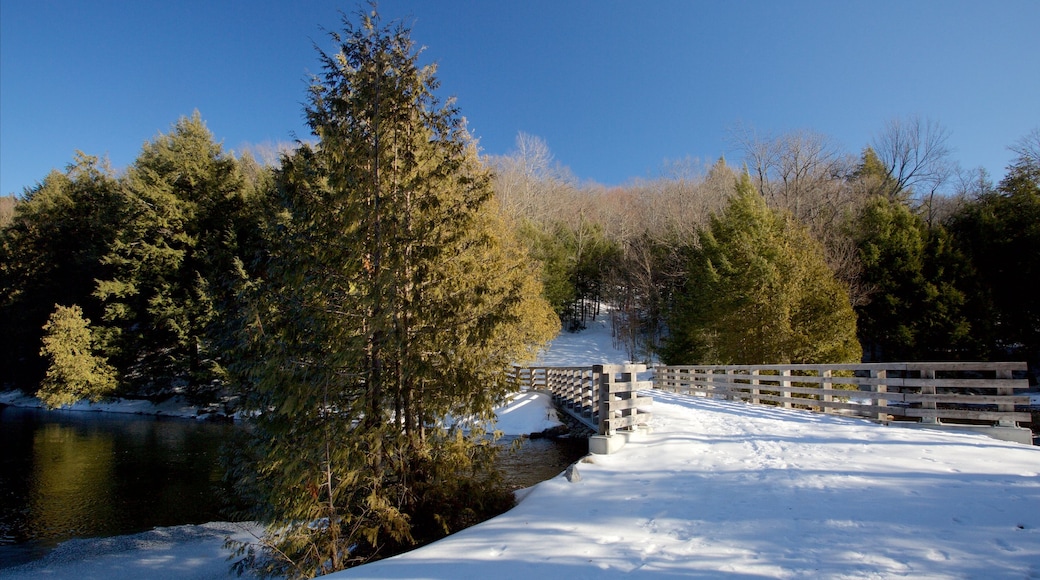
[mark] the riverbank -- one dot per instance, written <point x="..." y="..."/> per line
<point x="176" y="406"/>
<point x="174" y="553"/>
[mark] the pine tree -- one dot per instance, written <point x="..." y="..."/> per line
<point x="51" y="253"/>
<point x="74" y="370"/>
<point x="1000" y="234"/>
<point x="873" y="177"/>
<point x="914" y="311"/>
<point x="185" y="198"/>
<point x="394" y="298"/>
<point x="758" y="290"/>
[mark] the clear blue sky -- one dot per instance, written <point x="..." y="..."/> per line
<point x="614" y="88"/>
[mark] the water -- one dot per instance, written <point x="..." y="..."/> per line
<point x="67" y="474"/>
<point x="537" y="460"/>
<point x="71" y="475"/>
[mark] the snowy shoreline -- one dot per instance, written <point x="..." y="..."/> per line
<point x="176" y="406"/>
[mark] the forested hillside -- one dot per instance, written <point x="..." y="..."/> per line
<point x="938" y="263"/>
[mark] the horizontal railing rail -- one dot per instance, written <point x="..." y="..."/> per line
<point x="963" y="393"/>
<point x="603" y="397"/>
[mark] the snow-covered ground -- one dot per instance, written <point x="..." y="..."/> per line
<point x="725" y="489"/>
<point x="176" y="406"/>
<point x="721" y="489"/>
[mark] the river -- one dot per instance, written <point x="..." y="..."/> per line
<point x="69" y="474"/>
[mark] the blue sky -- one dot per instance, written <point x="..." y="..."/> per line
<point x="615" y="88"/>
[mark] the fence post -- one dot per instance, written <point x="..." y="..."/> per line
<point x="825" y="385"/>
<point x="754" y="388"/>
<point x="929" y="389"/>
<point x="878" y="389"/>
<point x="785" y="384"/>
<point x="1004" y="373"/>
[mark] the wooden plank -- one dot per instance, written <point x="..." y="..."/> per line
<point x="772" y="380"/>
<point x="629" y="421"/>
<point x="622" y="404"/>
<point x="616" y="369"/>
<point x="959" y="414"/>
<point x="967" y="366"/>
<point x="630" y="387"/>
<point x="737" y="387"/>
<point x="866" y="367"/>
<point x="970" y="399"/>
<point x="1019" y="384"/>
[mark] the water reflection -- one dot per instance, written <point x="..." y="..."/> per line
<point x="71" y="482"/>
<point x="72" y="475"/>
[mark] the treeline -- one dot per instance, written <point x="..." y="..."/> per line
<point x="710" y="264"/>
<point x="937" y="265"/>
<point x="146" y="264"/>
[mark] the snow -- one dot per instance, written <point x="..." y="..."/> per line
<point x="174" y="553"/>
<point x="592" y="346"/>
<point x="723" y="488"/>
<point x="176" y="406"/>
<point x="718" y="488"/>
<point x="526" y="413"/>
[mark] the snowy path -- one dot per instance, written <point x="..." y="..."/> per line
<point x="726" y="489"/>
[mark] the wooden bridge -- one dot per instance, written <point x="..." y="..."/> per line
<point x="603" y="397"/>
<point x="961" y="395"/>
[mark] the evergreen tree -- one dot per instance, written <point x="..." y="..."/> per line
<point x="185" y="198"/>
<point x="1000" y="234"/>
<point x="74" y="370"/>
<point x="874" y="178"/>
<point x="915" y="307"/>
<point x="548" y="250"/>
<point x="758" y="290"/>
<point x="51" y="253"/>
<point x="394" y="298"/>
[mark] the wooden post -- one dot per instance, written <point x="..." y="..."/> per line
<point x="628" y="394"/>
<point x="825" y="385"/>
<point x="878" y="389"/>
<point x="929" y="389"/>
<point x="755" y="391"/>
<point x="785" y="384"/>
<point x="606" y="378"/>
<point x="1004" y="373"/>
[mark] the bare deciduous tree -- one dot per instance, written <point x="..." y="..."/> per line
<point x="915" y="154"/>
<point x="529" y="183"/>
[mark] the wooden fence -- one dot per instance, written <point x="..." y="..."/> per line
<point x="975" y="395"/>
<point x="940" y="393"/>
<point x="600" y="396"/>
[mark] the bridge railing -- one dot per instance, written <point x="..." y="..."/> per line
<point x="603" y="397"/>
<point x="962" y="394"/>
<point x="975" y="395"/>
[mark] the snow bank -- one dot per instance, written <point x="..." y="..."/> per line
<point x="725" y="488"/>
<point x="175" y="553"/>
<point x="526" y="413"/>
<point x="176" y="406"/>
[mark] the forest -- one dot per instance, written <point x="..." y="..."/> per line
<point x="383" y="275"/>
